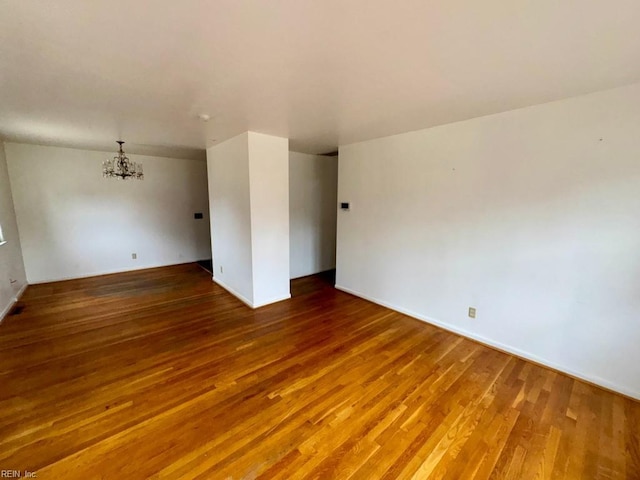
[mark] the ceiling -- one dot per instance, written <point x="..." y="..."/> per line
<point x="321" y="72"/>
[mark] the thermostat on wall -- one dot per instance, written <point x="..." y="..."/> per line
<point x="344" y="206"/>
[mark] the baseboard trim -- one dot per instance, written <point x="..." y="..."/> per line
<point x="245" y="300"/>
<point x="108" y="272"/>
<point x="598" y="382"/>
<point x="314" y="273"/>
<point x="15" y="300"/>
<point x="272" y="300"/>
<point x="239" y="296"/>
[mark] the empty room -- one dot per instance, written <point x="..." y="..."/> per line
<point x="298" y="239"/>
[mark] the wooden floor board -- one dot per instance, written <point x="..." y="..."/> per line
<point x="162" y="374"/>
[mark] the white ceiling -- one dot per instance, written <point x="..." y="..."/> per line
<point x="84" y="73"/>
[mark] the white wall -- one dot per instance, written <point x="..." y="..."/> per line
<point x="249" y="201"/>
<point x="249" y="192"/>
<point x="531" y="216"/>
<point x="12" y="275"/>
<point x="269" y="186"/>
<point x="313" y="190"/>
<point x="75" y="223"/>
<point x="228" y="171"/>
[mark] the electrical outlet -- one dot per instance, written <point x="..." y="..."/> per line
<point x="472" y="312"/>
<point x="221" y="270"/>
<point x="134" y="256"/>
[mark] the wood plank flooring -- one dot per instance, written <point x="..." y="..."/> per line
<point x="162" y="374"/>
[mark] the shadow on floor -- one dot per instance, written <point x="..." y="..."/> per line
<point x="313" y="283"/>
<point x="207" y="265"/>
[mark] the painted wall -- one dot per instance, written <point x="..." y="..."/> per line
<point x="75" y="223"/>
<point x="13" y="278"/>
<point x="269" y="186"/>
<point x="249" y="192"/>
<point x="531" y="216"/>
<point x="313" y="190"/>
<point x="228" y="172"/>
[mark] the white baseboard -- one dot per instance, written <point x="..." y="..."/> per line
<point x="499" y="346"/>
<point x="272" y="300"/>
<point x="314" y="272"/>
<point x="245" y="300"/>
<point x="106" y="272"/>
<point x="239" y="296"/>
<point x="8" y="308"/>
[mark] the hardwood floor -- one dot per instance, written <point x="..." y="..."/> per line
<point x="162" y="374"/>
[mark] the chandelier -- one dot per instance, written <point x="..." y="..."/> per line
<point x="122" y="167"/>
